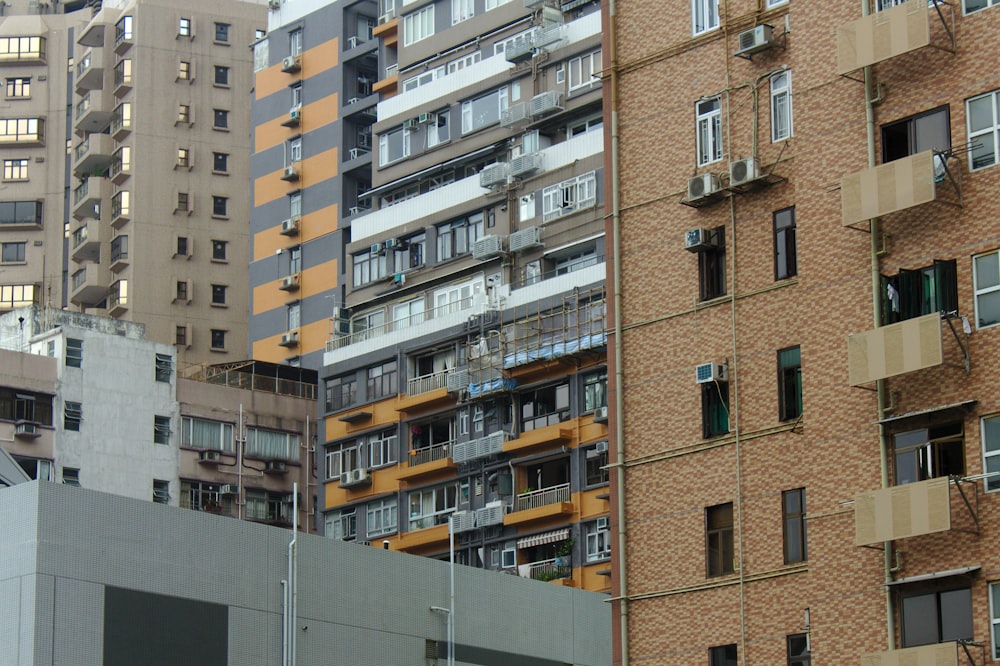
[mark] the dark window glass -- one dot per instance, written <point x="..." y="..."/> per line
<point x="221" y="118"/>
<point x="785" y="258"/>
<point x="722" y="655"/>
<point x="341" y="392"/>
<point x="798" y="650"/>
<point x="925" y="131"/>
<point x="789" y="383"/>
<point x="220" y="162"/>
<point x="928" y="453"/>
<point x="921" y="291"/>
<point x="937" y="616"/>
<point x="719" y="551"/>
<point x="712" y="268"/>
<point x="218" y="339"/>
<point x="74" y="352"/>
<point x="793" y="513"/>
<point x="714" y="409"/>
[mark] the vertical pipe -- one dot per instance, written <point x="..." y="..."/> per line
<point x="284" y="623"/>
<point x="293" y="569"/>
<point x="240" y="445"/>
<point x="451" y="593"/>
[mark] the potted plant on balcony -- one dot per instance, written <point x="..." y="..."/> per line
<point x="564" y="551"/>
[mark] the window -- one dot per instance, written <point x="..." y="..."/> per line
<point x="122" y="118"/>
<point x="595" y="390"/>
<point x="219" y="294"/>
<point x="582" y="70"/>
<point x="544" y="406"/>
<point x="294" y="260"/>
<point x="723" y="655"/>
<point x="221" y="76"/>
<point x="295" y="204"/>
<point x="712" y="267"/>
<point x="184" y="27"/>
<point x="569" y="196"/>
<point x="484" y="110"/>
<point x="220" y="162"/>
<point x="205" y="497"/>
<point x="418" y="25"/>
<point x="293" y="315"/>
<point x="785" y="257"/>
<point x="18" y="406"/>
<point x="221" y="119"/>
<point x="183" y="202"/>
<point x="714" y="409"/>
<point x="181" y="336"/>
<point x="382" y="380"/>
<point x="74" y="353"/>
<point x="438" y="130"/>
<point x="798" y="650"/>
<point x="382" y="517"/>
<point x="410" y="254"/>
<point x="183" y="113"/>
<point x="181" y="292"/>
<point x="775" y="3"/>
<point x="119" y="249"/>
<point x="295" y="150"/>
<point x="975" y="5"/>
<point x="219" y="250"/>
<point x="369" y="267"/>
<point x="432" y="506"/>
<point x="71" y="476"/>
<point x="184" y="71"/>
<point x="986" y="286"/>
<point x="272" y="444"/>
<point x="295" y="42"/>
<point x="342" y="459"/>
<point x="990" y="427"/>
<point x="342" y="525"/>
<point x="220" y="206"/>
<point x="928" y="453"/>
<point x="596" y="465"/>
<point x="164" y="365"/>
<point x="182" y="246"/>
<point x="296" y="92"/>
<point x="708" y="121"/>
<point x="789" y="383"/>
<point x="184" y="158"/>
<point x="203" y="434"/>
<point x="161" y="491"/>
<point x="21" y="212"/>
<point x="929" y="130"/>
<point x="704" y="16"/>
<point x="995" y="618"/>
<point x="719" y="551"/>
<point x="393" y="145"/>
<point x="16" y="169"/>
<point x="527" y="207"/>
<point x="457" y="237"/>
<point x="456" y="297"/>
<point x="793" y="518"/>
<point x="381" y="448"/>
<point x="781" y="106"/>
<point x="161" y="429"/>
<point x="72" y="415"/>
<point x="341" y="392"/>
<point x="921" y="291"/>
<point x="936" y="616"/>
<point x="12" y="253"/>
<point x="222" y="32"/>
<point x="17" y="295"/>
<point x="218" y="339"/>
<point x="598" y="538"/>
<point x="22" y="48"/>
<point x="462" y="10"/>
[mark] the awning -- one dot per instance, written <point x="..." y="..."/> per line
<point x="943" y="410"/>
<point x="961" y="571"/>
<point x="543" y="538"/>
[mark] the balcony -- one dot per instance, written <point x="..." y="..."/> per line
<point x="428" y="460"/>
<point x="890" y="33"/>
<point x="547" y="570"/>
<point x="93" y="113"/>
<point x="896" y="349"/>
<point x="937" y="654"/>
<point x="86" y="242"/>
<point x="120" y="209"/>
<point x="899" y="185"/>
<point x="424" y="391"/>
<point x="123" y="77"/>
<point x="119" y="253"/>
<point x="899" y="512"/>
<point x="89" y="72"/>
<point x="546" y="503"/>
<point x="118" y="298"/>
<point x="88" y="286"/>
<point x="93" y="33"/>
<point x="121" y="165"/>
<point x="92" y="156"/>
<point x="480" y="448"/>
<point x="422" y="538"/>
<point x="557" y="333"/>
<point x="87" y="197"/>
<point x="543" y="437"/>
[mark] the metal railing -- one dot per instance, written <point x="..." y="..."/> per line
<point x="550" y="569"/>
<point x="399" y="324"/>
<point x="427" y="383"/>
<point x="430" y="453"/>
<point x="543" y="497"/>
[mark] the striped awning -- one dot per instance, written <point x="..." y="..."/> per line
<point x="543" y="538"/>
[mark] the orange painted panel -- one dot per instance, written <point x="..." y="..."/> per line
<point x="311" y="226"/>
<point x="316" y="169"/>
<point x="383" y="414"/>
<point x="317" y="114"/>
<point x="312" y="337"/>
<point x="315" y="60"/>
<point x="267" y="296"/>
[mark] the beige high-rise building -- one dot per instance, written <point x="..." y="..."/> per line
<point x="135" y="205"/>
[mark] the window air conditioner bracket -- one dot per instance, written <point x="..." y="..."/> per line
<point x="783" y="45"/>
<point x="973" y="510"/>
<point x="965" y="644"/>
<point x="950" y="317"/>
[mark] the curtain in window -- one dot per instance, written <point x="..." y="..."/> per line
<point x="271" y="444"/>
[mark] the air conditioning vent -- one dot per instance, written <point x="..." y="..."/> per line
<point x="410" y="124"/>
<point x="294" y="117"/>
<point x="514" y="114"/>
<point x="699" y="240"/>
<point x="392" y="243"/>
<point x="525" y="165"/>
<point x="602" y="523"/>
<point x="275" y="467"/>
<point x="354" y="477"/>
<point x="289" y="282"/>
<point x="289" y="339"/>
<point x="291" y="173"/>
<point x="601" y="416"/>
<point x="487" y="247"/>
<point x="701" y="186"/>
<point x="754" y="40"/>
<point x="209" y="456"/>
<point x="274" y="4"/>
<point x="547" y="102"/>
<point x="463" y="521"/>
<point x="712" y="372"/>
<point x="457" y="380"/>
<point x="291" y="64"/>
<point x="743" y="171"/>
<point x="428" y="118"/>
<point x="375" y="248"/>
<point x="341" y="321"/>
<point x="229" y="489"/>
<point x="24" y="430"/>
<point x="290" y="227"/>
<point x="525" y="239"/>
<point x="493" y="175"/>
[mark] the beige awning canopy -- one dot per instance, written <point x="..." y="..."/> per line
<point x="543" y="538"/>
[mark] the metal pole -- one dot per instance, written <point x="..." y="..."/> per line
<point x="451" y="607"/>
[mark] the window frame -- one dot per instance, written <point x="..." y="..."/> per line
<point x="715" y="409"/>
<point x="443" y="499"/>
<point x="15" y="169"/>
<point x="712" y="268"/>
<point x="782" y="127"/>
<point x="992" y="131"/>
<point x="218" y="339"/>
<point x="785" y="251"/>
<point x="723" y="655"/>
<point x="161" y="429"/>
<point x="74" y="353"/>
<point x="222" y="31"/>
<point x="598" y="541"/>
<point x="793" y="526"/>
<point x="220" y="76"/>
<point x="991" y="458"/>
<point x="993" y="289"/>
<point x="381" y="508"/>
<point x="723" y="535"/>
<point x="13" y="252"/>
<point x="705" y="11"/>
<point x="789" y="383"/>
<point x="163" y="367"/>
<point x="220" y="119"/>
<point x="965" y="12"/>
<point x="72" y="415"/>
<point x="937" y="591"/>
<point x="994" y="594"/>
<point x="926" y="449"/>
<point x="798" y="649"/>
<point x="708" y="130"/>
<point x="418" y="25"/>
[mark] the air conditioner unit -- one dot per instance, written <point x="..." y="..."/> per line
<point x="602" y="447"/>
<point x="743" y="171"/>
<point x="399" y="279"/>
<point x="601" y="416"/>
<point x="487" y="247"/>
<point x="352" y="41"/>
<point x="209" y="456"/>
<point x="410" y="124"/>
<point x="513" y="114"/>
<point x="519" y="49"/>
<point x="457" y="380"/>
<point x="289" y="282"/>
<point x="274" y="4"/>
<point x="290" y="227"/>
<point x="392" y="243"/>
<point x="294" y="117"/>
<point x="711" y="372"/>
<point x="275" y="466"/>
<point x="375" y="248"/>
<point x="341" y="321"/>
<point x="228" y="489"/>
<point x="525" y="165"/>
<point x="493" y="175"/>
<point x="291" y="63"/>
<point x="699" y="240"/>
<point x="546" y="102"/>
<point x="289" y="339"/>
<point x="702" y="186"/>
<point x="754" y="40"/>
<point x="602" y="523"/>
<point x="354" y="476"/>
<point x="525" y="239"/>
<point x="291" y="173"/>
<point x="428" y="118"/>
<point x="25" y="430"/>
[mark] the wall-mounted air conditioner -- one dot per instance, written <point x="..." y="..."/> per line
<point x="428" y="118"/>
<point x="546" y="102"/>
<point x="229" y="489"/>
<point x="341" y="321"/>
<point x="291" y="63"/>
<point x="392" y="243"/>
<point x="601" y="416"/>
<point x="699" y="240"/>
<point x="289" y="339"/>
<point x="275" y="467"/>
<point x="487" y="247"/>
<point x="514" y="114"/>
<point x="354" y="477"/>
<point x="289" y="282"/>
<point x="290" y="227"/>
<point x="209" y="456"/>
<point x="711" y="372"/>
<point x="294" y="117"/>
<point x="702" y="186"/>
<point x="410" y="124"/>
<point x="493" y="175"/>
<point x="525" y="239"/>
<point x="26" y="430"/>
<point x="602" y="523"/>
<point x="274" y="4"/>
<point x="525" y="165"/>
<point x="602" y="447"/>
<point x="743" y="171"/>
<point x="291" y="173"/>
<point x="756" y="39"/>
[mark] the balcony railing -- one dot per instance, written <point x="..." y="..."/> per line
<point x="549" y="569"/>
<point x="543" y="497"/>
<point x="480" y="448"/>
<point x="427" y="383"/>
<point x="399" y="324"/>
<point x="430" y="453"/>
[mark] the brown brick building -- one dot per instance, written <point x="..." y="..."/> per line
<point x="804" y="352"/>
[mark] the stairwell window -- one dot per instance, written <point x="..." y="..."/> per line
<point x="986" y="286"/>
<point x="164" y="367"/>
<point x="708" y="125"/>
<point x="719" y="550"/>
<point x="991" y="452"/>
<point x="74" y="352"/>
<point x="789" y="383"/>
<point x="785" y="256"/>
<point x="781" y="106"/>
<point x="704" y="16"/>
<point x="72" y="416"/>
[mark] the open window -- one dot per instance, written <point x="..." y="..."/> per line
<point x="916" y="292"/>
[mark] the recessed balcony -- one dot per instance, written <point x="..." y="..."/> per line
<point x="88" y="286"/>
<point x="551" y="502"/>
<point x="92" y="155"/>
<point x="93" y="113"/>
<point x="549" y="436"/>
<point x="86" y="241"/>
<point x="90" y="71"/>
<point x="429" y="460"/>
<point x="87" y="197"/>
